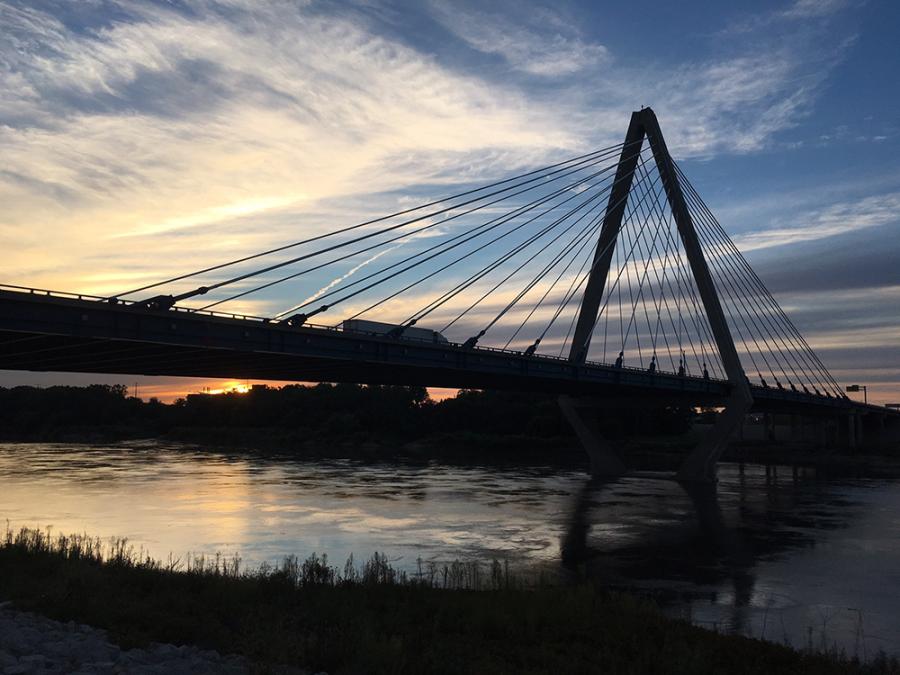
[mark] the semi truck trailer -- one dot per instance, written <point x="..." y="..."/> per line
<point x="379" y="328"/>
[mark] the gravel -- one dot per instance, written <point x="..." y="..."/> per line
<point x="30" y="643"/>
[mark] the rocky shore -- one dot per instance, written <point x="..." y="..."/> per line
<point x="30" y="643"/>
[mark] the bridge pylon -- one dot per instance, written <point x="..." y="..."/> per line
<point x="700" y="464"/>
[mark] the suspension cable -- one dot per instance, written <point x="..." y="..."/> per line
<point x="326" y="235"/>
<point x="557" y="175"/>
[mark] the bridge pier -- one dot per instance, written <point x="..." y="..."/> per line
<point x="850" y="428"/>
<point x="880" y="431"/>
<point x="605" y="461"/>
<point x="768" y="426"/>
<point x="700" y="464"/>
<point x="890" y="430"/>
<point x="829" y="433"/>
<point x="698" y="467"/>
<point x="796" y="429"/>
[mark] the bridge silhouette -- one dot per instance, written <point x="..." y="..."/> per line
<point x="604" y="279"/>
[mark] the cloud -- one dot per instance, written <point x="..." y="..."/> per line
<point x="835" y="219"/>
<point x="168" y="122"/>
<point x="141" y="140"/>
<point x="799" y="11"/>
<point x="561" y="52"/>
<point x="159" y="140"/>
<point x="807" y="9"/>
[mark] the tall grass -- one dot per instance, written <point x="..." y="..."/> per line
<point x="460" y="617"/>
<point x="312" y="571"/>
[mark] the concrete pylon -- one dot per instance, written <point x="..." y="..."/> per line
<point x="701" y="462"/>
<point x="580" y="413"/>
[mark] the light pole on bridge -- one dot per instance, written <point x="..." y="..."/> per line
<point x="857" y="387"/>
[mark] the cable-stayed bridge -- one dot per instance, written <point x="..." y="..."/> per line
<point x="604" y="278"/>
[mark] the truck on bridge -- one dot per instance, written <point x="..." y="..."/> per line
<point x="394" y="330"/>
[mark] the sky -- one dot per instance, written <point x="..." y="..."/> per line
<point x="140" y="140"/>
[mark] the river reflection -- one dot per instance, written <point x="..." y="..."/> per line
<point x="787" y="555"/>
<point x="768" y="552"/>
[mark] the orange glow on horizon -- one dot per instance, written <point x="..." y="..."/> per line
<point x="229" y="387"/>
<point x="169" y="392"/>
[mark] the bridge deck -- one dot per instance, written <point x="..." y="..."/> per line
<point x="43" y="331"/>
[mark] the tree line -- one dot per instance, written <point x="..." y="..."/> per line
<point x="318" y="411"/>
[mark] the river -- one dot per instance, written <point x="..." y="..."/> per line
<point x="771" y="552"/>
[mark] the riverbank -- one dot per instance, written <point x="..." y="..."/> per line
<point x="373" y="619"/>
<point x="31" y="643"/>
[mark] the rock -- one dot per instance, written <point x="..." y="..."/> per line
<point x="155" y="669"/>
<point x="8" y="636"/>
<point x="30" y="643"/>
<point x="33" y="660"/>
<point x="27" y="638"/>
<point x="167" y="651"/>
<point x="56" y="647"/>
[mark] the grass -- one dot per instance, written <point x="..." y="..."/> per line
<point x="371" y="618"/>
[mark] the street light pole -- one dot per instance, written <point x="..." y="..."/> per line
<point x="857" y="387"/>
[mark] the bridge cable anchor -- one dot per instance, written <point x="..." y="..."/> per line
<point x="157" y="302"/>
<point x="166" y="302"/>
<point x="472" y="341"/>
<point x="531" y="348"/>
<point x="295" y="320"/>
<point x="397" y="331"/>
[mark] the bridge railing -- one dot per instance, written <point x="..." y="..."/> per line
<point x="336" y="329"/>
<point x="99" y="298"/>
<point x="758" y="390"/>
<point x="55" y="294"/>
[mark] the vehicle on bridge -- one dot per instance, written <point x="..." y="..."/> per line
<point x="394" y="330"/>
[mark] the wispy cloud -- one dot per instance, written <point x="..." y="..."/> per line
<point x="166" y="121"/>
<point x="559" y="52"/>
<point x="832" y="220"/>
<point x="806" y="9"/>
<point x="142" y="140"/>
<point x="161" y="140"/>
<point x="787" y="17"/>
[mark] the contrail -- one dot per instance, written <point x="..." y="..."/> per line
<point x="349" y="273"/>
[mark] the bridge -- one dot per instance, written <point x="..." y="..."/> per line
<point x="525" y="278"/>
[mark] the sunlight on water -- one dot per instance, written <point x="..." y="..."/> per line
<point x="784" y="555"/>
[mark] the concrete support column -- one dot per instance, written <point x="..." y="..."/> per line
<point x="605" y="461"/>
<point x="700" y="464"/>
<point x="821" y="432"/>
<point x="796" y="428"/>
<point x="768" y="427"/>
<point x="851" y="431"/>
